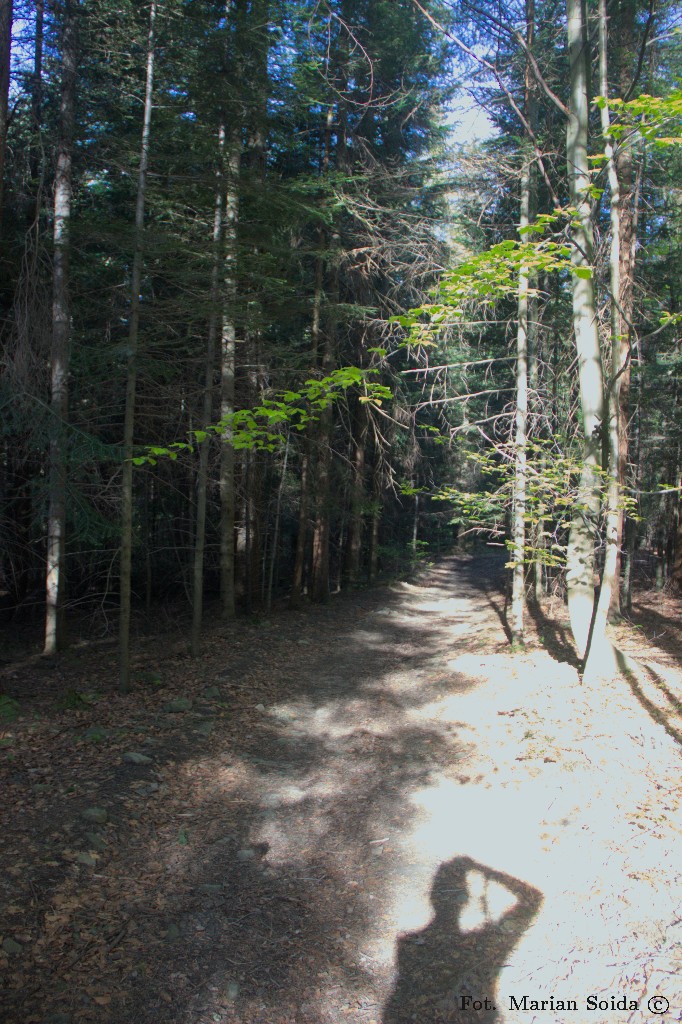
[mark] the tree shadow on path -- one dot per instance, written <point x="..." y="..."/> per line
<point x="448" y="972"/>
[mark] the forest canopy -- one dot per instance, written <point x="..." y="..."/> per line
<point x="271" y="327"/>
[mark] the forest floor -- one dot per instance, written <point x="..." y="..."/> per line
<point x="372" y="811"/>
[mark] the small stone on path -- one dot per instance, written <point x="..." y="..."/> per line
<point x="204" y="728"/>
<point x="177" y="705"/>
<point x="96" y="815"/>
<point x="133" y="757"/>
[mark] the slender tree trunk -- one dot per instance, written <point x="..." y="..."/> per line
<point x="131" y="380"/>
<point x="207" y="410"/>
<point x="301" y="540"/>
<point x="37" y="78"/>
<point x="415" y="524"/>
<point x="319" y="571"/>
<point x="36" y="147"/>
<point x="5" y="55"/>
<point x="227" y="373"/>
<point x="307" y="456"/>
<point x="636" y="471"/>
<point x="601" y="661"/>
<point x="357" y="497"/>
<point x="580" y="556"/>
<point x="623" y="16"/>
<point x="518" y="601"/>
<point x="275" y="535"/>
<point x="375" y="529"/>
<point x="61" y="337"/>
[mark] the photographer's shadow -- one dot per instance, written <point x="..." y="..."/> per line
<point x="448" y="971"/>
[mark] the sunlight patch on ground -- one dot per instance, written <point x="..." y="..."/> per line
<point x="444" y="606"/>
<point x="515" y="819"/>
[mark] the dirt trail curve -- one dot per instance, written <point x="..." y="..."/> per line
<point x="407" y="823"/>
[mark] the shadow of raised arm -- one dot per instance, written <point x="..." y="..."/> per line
<point x="448" y="971"/>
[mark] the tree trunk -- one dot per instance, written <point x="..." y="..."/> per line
<point x="302" y="537"/>
<point x="61" y="337"/>
<point x="319" y="571"/>
<point x="624" y="17"/>
<point x="601" y="662"/>
<point x="276" y="529"/>
<point x="518" y="601"/>
<point x="227" y="372"/>
<point x="207" y="409"/>
<point x="5" y="56"/>
<point x="131" y="380"/>
<point x="357" y="496"/>
<point x="36" y="151"/>
<point x="580" y="555"/>
<point x="373" y="558"/>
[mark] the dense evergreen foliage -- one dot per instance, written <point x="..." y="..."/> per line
<point x="211" y="210"/>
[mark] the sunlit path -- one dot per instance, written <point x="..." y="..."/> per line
<point x="522" y="836"/>
<point x="372" y="811"/>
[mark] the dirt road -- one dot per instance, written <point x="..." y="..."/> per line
<point x="369" y="812"/>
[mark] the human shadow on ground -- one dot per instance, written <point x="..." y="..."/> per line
<point x="233" y="871"/>
<point x="235" y="876"/>
<point x="447" y="972"/>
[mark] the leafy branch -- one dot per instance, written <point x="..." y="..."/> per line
<point x="262" y="427"/>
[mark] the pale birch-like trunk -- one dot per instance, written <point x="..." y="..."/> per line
<point x="61" y="338"/>
<point x="580" y="557"/>
<point x="601" y="662"/>
<point x="207" y="409"/>
<point x="131" y="377"/>
<point x="227" y="373"/>
<point x="518" y="601"/>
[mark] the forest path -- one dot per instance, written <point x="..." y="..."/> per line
<point x="371" y="812"/>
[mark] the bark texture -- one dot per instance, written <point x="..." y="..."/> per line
<point x="131" y="378"/>
<point x="580" y="558"/>
<point x="61" y="338"/>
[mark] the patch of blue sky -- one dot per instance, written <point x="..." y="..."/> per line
<point x="468" y="121"/>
